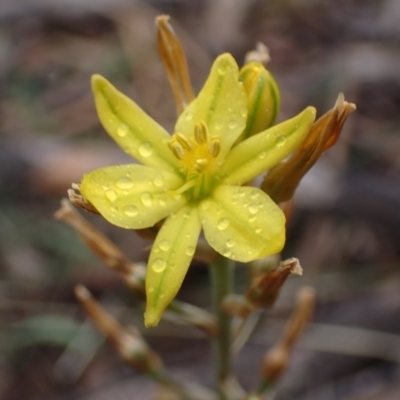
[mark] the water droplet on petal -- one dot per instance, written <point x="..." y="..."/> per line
<point x="243" y="112"/>
<point x="189" y="116"/>
<point x="150" y="289"/>
<point x="158" y="265"/>
<point x="122" y="130"/>
<point x="262" y="155"/>
<point x="146" y="149"/>
<point x="205" y="205"/>
<point x="258" y="230"/>
<point x="164" y="245"/>
<point x="254" y="193"/>
<point x="124" y="183"/>
<point x="162" y="201"/>
<point x="280" y="141"/>
<point x="131" y="211"/>
<point x="111" y="195"/>
<point x="158" y="180"/>
<point x="146" y="199"/>
<point x="226" y="253"/>
<point x="230" y="243"/>
<point x="222" y="224"/>
<point x="222" y="70"/>
<point x="190" y="251"/>
<point x="253" y="208"/>
<point x="218" y="124"/>
<point x="232" y="124"/>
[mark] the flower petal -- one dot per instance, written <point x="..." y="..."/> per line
<point x="260" y="152"/>
<point x="169" y="261"/>
<point x="132" y="196"/>
<point x="133" y="130"/>
<point x="221" y="104"/>
<point x="242" y="223"/>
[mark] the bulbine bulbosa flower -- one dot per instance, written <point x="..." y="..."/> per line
<point x="194" y="180"/>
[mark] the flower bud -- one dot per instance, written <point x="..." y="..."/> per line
<point x="263" y="98"/>
<point x="282" y="180"/>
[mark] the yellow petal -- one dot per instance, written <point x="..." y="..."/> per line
<point x="132" y="196"/>
<point x="169" y="261"/>
<point x="134" y="131"/>
<point x="221" y="104"/>
<point x="242" y="223"/>
<point x="261" y="152"/>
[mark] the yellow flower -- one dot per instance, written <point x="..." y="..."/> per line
<point x="192" y="179"/>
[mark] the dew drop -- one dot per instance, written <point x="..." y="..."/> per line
<point x="190" y="251"/>
<point x="254" y="194"/>
<point x="124" y="183"/>
<point x="262" y="155"/>
<point x="162" y="201"/>
<point x="226" y="253"/>
<point x="146" y="199"/>
<point x="158" y="180"/>
<point x="232" y="124"/>
<point x="258" y="230"/>
<point x="122" y="130"/>
<point x="111" y="195"/>
<point x="145" y="149"/>
<point x="205" y="205"/>
<point x="218" y="124"/>
<point x="189" y="116"/>
<point x="253" y="209"/>
<point x="230" y="243"/>
<point x="131" y="211"/>
<point x="243" y="112"/>
<point x="222" y="70"/>
<point x="222" y="224"/>
<point x="159" y="265"/>
<point x="164" y="245"/>
<point x="280" y="141"/>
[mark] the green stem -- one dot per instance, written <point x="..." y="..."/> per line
<point x="222" y="283"/>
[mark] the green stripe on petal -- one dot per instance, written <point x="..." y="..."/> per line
<point x="242" y="223"/>
<point x="169" y="261"/>
<point x="134" y="131"/>
<point x="132" y="196"/>
<point x="221" y="104"/>
<point x="261" y="152"/>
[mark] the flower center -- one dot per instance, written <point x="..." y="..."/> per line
<point x="197" y="158"/>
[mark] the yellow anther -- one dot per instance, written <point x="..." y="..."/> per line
<point x="201" y="132"/>
<point x="200" y="165"/>
<point x="214" y="147"/>
<point x="176" y="148"/>
<point x="182" y="139"/>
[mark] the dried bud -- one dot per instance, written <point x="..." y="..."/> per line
<point x="130" y="344"/>
<point x="238" y="305"/>
<point x="282" y="180"/>
<point x="132" y="273"/>
<point x="174" y="60"/>
<point x="263" y="98"/>
<point x="276" y="359"/>
<point x="265" y="288"/>
<point x="79" y="201"/>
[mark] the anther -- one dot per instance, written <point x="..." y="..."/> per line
<point x="177" y="149"/>
<point x="214" y="147"/>
<point x="181" y="138"/>
<point x="201" y="132"/>
<point x="200" y="165"/>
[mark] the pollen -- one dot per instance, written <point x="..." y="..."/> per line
<point x="196" y="153"/>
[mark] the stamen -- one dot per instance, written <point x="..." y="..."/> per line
<point x="214" y="147"/>
<point x="201" y="132"/>
<point x="182" y="139"/>
<point x="200" y="165"/>
<point x="183" y="188"/>
<point x="176" y="148"/>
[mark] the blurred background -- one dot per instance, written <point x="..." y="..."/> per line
<point x="345" y="227"/>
